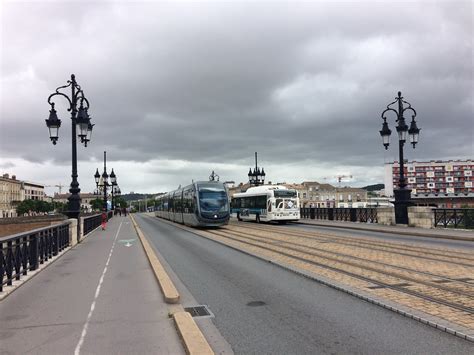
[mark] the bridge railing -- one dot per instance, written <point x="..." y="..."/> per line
<point x="23" y="252"/>
<point x="91" y="222"/>
<point x="341" y="214"/>
<point x="454" y="217"/>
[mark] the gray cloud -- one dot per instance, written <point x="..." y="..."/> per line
<point x="301" y="83"/>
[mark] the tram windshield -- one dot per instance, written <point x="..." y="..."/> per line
<point x="212" y="200"/>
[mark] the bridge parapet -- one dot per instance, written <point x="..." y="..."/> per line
<point x="24" y="252"/>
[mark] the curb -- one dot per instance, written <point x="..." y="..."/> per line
<point x="194" y="341"/>
<point x="402" y="232"/>
<point x="170" y="293"/>
<point x="418" y="316"/>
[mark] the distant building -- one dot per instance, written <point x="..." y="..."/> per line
<point x="438" y="183"/>
<point x="86" y="199"/>
<point x="11" y="194"/>
<point x="351" y="197"/>
<point x="315" y="194"/>
<point x="33" y="191"/>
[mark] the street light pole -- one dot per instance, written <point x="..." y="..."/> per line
<point x="402" y="194"/>
<point x="256" y="177"/>
<point x="103" y="183"/>
<point x="113" y="182"/>
<point x="105" y="178"/>
<point x="81" y="118"/>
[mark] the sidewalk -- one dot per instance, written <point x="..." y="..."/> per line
<point x="466" y="235"/>
<point x="101" y="297"/>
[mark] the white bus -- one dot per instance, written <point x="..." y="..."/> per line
<point x="266" y="203"/>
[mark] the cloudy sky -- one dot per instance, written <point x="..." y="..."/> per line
<point x="178" y="89"/>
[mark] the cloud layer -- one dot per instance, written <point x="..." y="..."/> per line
<point x="180" y="89"/>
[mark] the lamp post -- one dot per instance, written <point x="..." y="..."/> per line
<point x="80" y="119"/>
<point x="113" y="181"/>
<point x="256" y="177"/>
<point x="213" y="176"/>
<point x="102" y="182"/>
<point x="402" y="194"/>
<point x="117" y="192"/>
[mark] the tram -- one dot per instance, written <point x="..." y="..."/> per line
<point x="201" y="204"/>
<point x="266" y="203"/>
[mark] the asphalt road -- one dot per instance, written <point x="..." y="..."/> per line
<point x="261" y="308"/>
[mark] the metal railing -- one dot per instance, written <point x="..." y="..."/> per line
<point x="454" y="217"/>
<point x="94" y="221"/>
<point x="341" y="214"/>
<point x="91" y="223"/>
<point x="24" y="252"/>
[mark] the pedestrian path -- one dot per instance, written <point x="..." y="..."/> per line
<point x="445" y="233"/>
<point x="101" y="297"/>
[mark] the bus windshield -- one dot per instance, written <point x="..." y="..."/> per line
<point x="212" y="200"/>
<point x="284" y="193"/>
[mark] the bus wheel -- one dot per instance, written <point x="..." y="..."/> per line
<point x="257" y="218"/>
<point x="238" y="217"/>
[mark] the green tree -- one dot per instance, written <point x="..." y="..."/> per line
<point x="120" y="202"/>
<point x="27" y="206"/>
<point x="59" y="206"/>
<point x="97" y="204"/>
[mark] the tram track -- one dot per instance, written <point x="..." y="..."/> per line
<point x="361" y="261"/>
<point x="417" y="252"/>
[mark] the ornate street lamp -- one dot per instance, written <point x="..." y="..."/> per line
<point x="402" y="194"/>
<point x="256" y="177"/>
<point x="103" y="184"/>
<point x="113" y="181"/>
<point x="80" y="123"/>
<point x="213" y="176"/>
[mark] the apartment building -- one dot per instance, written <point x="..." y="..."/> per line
<point x="315" y="194"/>
<point x="442" y="183"/>
<point x="11" y="193"/>
<point x="351" y="197"/>
<point x="33" y="191"/>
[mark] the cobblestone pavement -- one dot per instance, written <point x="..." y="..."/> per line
<point x="438" y="282"/>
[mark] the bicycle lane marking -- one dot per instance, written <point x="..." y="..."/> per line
<point x="97" y="292"/>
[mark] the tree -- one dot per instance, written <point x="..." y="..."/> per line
<point x="59" y="206"/>
<point x="97" y="204"/>
<point x="27" y="206"/>
<point x="120" y="202"/>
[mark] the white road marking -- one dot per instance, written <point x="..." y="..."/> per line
<point x="97" y="292"/>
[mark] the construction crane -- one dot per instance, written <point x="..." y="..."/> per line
<point x="339" y="178"/>
<point x="59" y="186"/>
